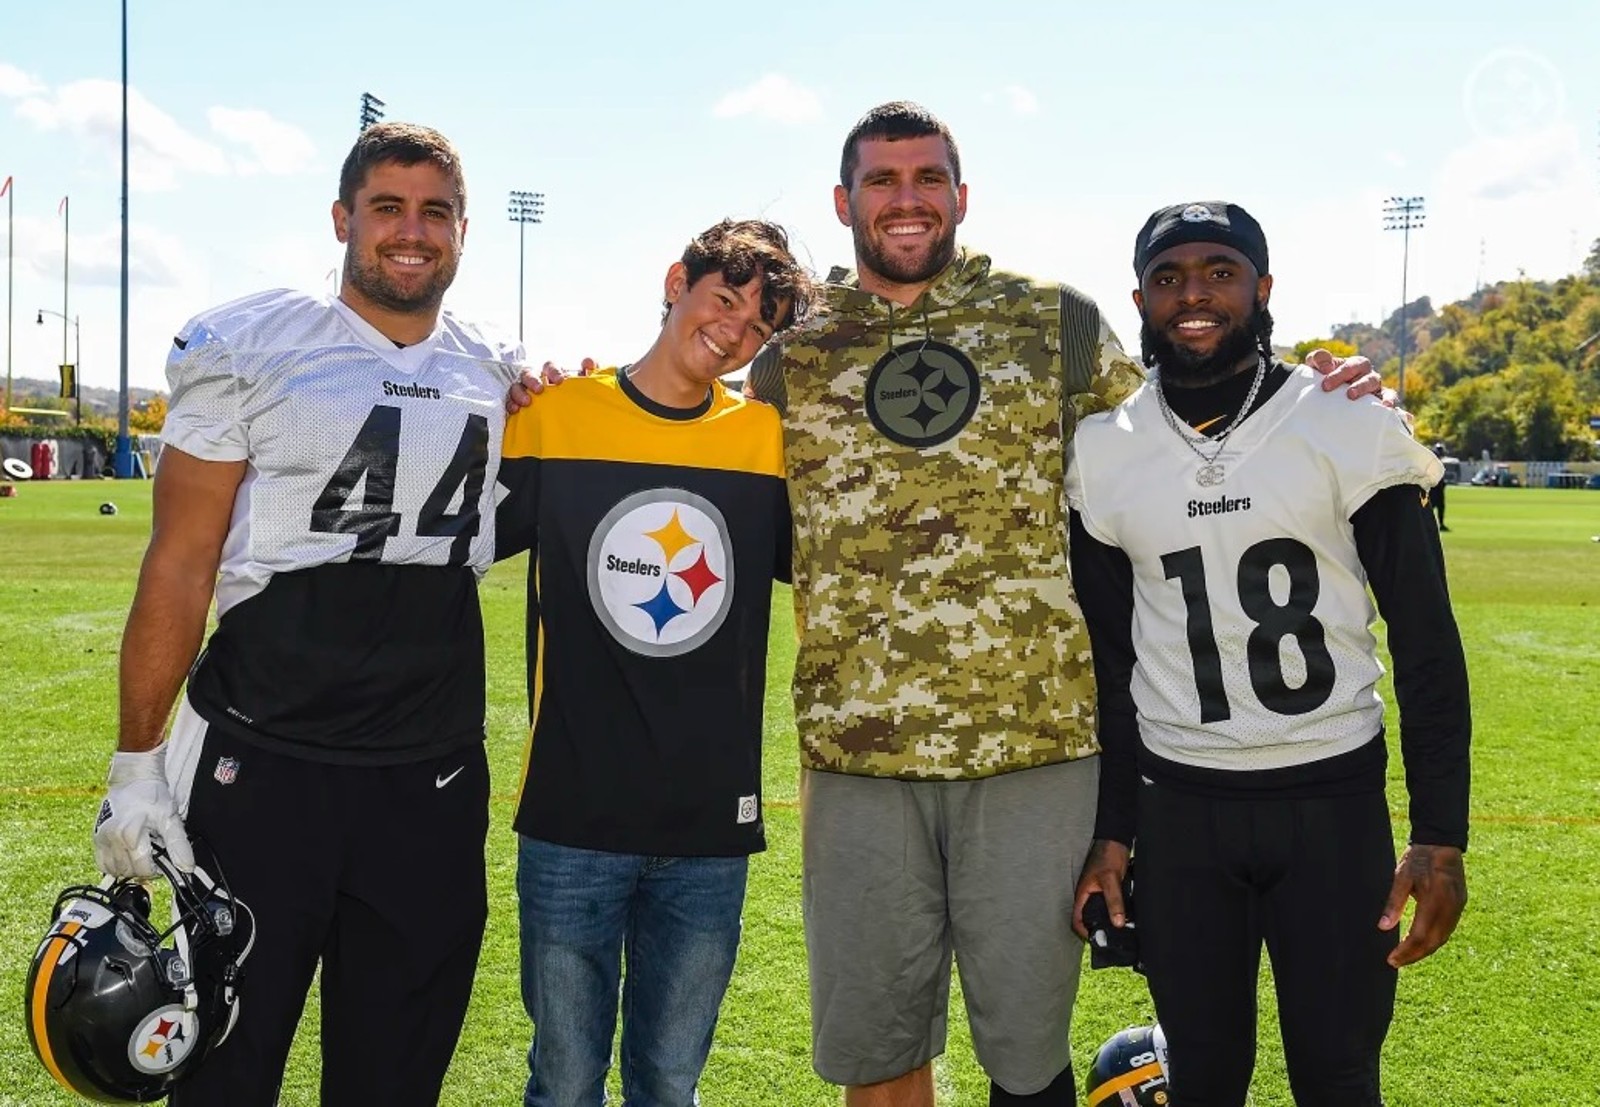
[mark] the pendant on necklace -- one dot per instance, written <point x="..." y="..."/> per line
<point x="1210" y="475"/>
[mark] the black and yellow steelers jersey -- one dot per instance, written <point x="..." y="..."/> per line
<point x="655" y="535"/>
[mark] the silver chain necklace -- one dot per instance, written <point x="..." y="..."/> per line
<point x="1210" y="473"/>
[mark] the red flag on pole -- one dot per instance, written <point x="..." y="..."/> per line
<point x="5" y="188"/>
<point x="62" y="206"/>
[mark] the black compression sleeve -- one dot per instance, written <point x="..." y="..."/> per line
<point x="1102" y="576"/>
<point x="765" y="377"/>
<point x="1398" y="542"/>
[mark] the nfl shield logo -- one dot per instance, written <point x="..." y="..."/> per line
<point x="227" y="770"/>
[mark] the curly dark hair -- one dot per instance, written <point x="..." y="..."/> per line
<point x="742" y="249"/>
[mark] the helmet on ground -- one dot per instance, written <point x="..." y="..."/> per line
<point x="118" y="1011"/>
<point x="1131" y="1070"/>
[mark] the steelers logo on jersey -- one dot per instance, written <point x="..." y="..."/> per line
<point x="922" y="393"/>
<point x="661" y="571"/>
<point x="163" y="1039"/>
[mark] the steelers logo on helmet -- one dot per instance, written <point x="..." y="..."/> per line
<point x="661" y="571"/>
<point x="922" y="393"/>
<point x="1130" y="1070"/>
<point x="163" y="1039"/>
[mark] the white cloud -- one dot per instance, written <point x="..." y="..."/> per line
<point x="1508" y="166"/>
<point x="14" y="82"/>
<point x="1528" y="199"/>
<point x="155" y="259"/>
<point x="159" y="148"/>
<point x="773" y="97"/>
<point x="1018" y="99"/>
<point x="1021" y="100"/>
<point x="277" y="148"/>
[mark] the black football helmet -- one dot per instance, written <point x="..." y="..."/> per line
<point x="1131" y="1070"/>
<point x="118" y="1011"/>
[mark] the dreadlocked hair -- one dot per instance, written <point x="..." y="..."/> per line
<point x="1261" y="326"/>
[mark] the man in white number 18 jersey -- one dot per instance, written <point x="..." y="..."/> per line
<point x="329" y="468"/>
<point x="1226" y="529"/>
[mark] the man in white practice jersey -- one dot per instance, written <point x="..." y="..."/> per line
<point x="1226" y="529"/>
<point x="334" y="460"/>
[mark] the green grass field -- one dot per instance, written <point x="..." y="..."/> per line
<point x="1508" y="1013"/>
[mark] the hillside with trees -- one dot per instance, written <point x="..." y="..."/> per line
<point x="147" y="410"/>
<point x="1514" y="369"/>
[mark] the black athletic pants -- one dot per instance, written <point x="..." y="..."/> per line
<point x="376" y="873"/>
<point x="1307" y="876"/>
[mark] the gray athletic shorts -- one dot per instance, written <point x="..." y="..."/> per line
<point x="898" y="874"/>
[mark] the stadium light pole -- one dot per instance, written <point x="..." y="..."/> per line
<point x="11" y="256"/>
<point x="524" y="208"/>
<point x="77" y="357"/>
<point x="122" y="457"/>
<point x="1403" y="214"/>
<point x="65" y="211"/>
<point x="371" y="110"/>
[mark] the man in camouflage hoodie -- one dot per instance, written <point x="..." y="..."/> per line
<point x="941" y="650"/>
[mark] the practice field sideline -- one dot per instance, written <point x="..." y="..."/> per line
<point x="1508" y="1013"/>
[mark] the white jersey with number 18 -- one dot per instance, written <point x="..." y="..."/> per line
<point x="1251" y="621"/>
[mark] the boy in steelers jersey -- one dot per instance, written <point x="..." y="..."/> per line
<point x="1226" y="531"/>
<point x="653" y="503"/>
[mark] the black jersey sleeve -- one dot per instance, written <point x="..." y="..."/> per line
<point x="1398" y="542"/>
<point x="1102" y="577"/>
<point x="516" y="519"/>
<point x="783" y="562"/>
<point x="765" y="378"/>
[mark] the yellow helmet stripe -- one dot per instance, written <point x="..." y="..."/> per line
<point x="49" y="961"/>
<point x="1126" y="1080"/>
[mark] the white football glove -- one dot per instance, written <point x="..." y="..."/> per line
<point x="138" y="805"/>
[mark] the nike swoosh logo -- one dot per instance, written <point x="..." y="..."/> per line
<point x="441" y="781"/>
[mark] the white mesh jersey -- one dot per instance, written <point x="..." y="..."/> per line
<point x="358" y="449"/>
<point x="1251" y="617"/>
<point x="348" y="625"/>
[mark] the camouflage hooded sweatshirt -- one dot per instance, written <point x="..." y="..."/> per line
<point x="938" y="633"/>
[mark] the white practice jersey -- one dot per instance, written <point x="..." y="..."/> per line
<point x="1251" y="617"/>
<point x="357" y="449"/>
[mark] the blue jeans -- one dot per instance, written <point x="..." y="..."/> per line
<point x="677" y="921"/>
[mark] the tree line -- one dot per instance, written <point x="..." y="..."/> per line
<point x="1514" y="369"/>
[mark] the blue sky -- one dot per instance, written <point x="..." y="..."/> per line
<point x="642" y="123"/>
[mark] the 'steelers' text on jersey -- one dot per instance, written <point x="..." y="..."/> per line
<point x="656" y="534"/>
<point x="1251" y="619"/>
<point x="348" y="625"/>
